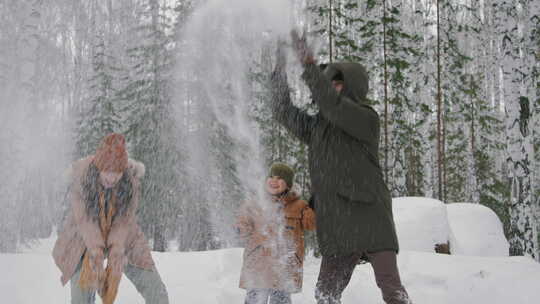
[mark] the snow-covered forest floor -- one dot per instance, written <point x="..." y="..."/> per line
<point x="212" y="276"/>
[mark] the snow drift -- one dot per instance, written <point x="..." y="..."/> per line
<point x="471" y="229"/>
<point x="212" y="277"/>
<point x="474" y="275"/>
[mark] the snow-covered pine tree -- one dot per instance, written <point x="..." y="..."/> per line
<point x="459" y="94"/>
<point x="439" y="135"/>
<point x="9" y="225"/>
<point x="10" y="147"/>
<point x="191" y="225"/>
<point x="29" y="129"/>
<point x="99" y="114"/>
<point x="400" y="52"/>
<point x="423" y="86"/>
<point x="486" y="121"/>
<point x="151" y="129"/>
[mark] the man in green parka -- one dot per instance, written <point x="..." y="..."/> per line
<point x="353" y="205"/>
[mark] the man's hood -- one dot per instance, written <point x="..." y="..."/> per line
<point x="356" y="81"/>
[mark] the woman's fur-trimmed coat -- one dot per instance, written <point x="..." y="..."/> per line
<point x="126" y="242"/>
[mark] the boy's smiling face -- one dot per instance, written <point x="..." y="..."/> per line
<point x="276" y="185"/>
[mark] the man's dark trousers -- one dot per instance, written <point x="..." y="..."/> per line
<point x="336" y="272"/>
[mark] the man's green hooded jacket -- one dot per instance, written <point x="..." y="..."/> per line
<point x="352" y="203"/>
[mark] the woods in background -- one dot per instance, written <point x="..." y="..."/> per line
<point x="456" y="85"/>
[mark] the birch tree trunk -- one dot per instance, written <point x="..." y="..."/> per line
<point x="511" y="21"/>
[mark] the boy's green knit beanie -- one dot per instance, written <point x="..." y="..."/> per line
<point x="284" y="172"/>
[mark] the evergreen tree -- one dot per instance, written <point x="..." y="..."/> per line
<point x="419" y="154"/>
<point x="9" y="224"/>
<point x="27" y="129"/>
<point x="489" y="186"/>
<point x="401" y="51"/>
<point x="459" y="97"/>
<point x="100" y="114"/>
<point x="151" y="131"/>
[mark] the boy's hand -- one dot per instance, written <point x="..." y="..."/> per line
<point x="300" y="46"/>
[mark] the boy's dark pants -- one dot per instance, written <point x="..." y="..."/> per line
<point x="270" y="296"/>
<point x="336" y="272"/>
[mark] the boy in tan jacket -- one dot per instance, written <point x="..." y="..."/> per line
<point x="273" y="231"/>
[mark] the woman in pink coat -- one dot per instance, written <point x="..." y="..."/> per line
<point x="101" y="225"/>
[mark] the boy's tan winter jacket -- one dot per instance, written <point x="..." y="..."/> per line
<point x="274" y="243"/>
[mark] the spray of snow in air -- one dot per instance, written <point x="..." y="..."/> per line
<point x="224" y="41"/>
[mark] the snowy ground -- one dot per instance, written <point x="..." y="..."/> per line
<point x="212" y="277"/>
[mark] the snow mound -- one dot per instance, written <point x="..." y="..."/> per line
<point x="211" y="277"/>
<point x="471" y="229"/>
<point x="476" y="230"/>
<point x="420" y="223"/>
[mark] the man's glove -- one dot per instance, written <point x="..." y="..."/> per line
<point x="301" y="48"/>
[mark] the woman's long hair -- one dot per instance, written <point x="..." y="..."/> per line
<point x="91" y="188"/>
